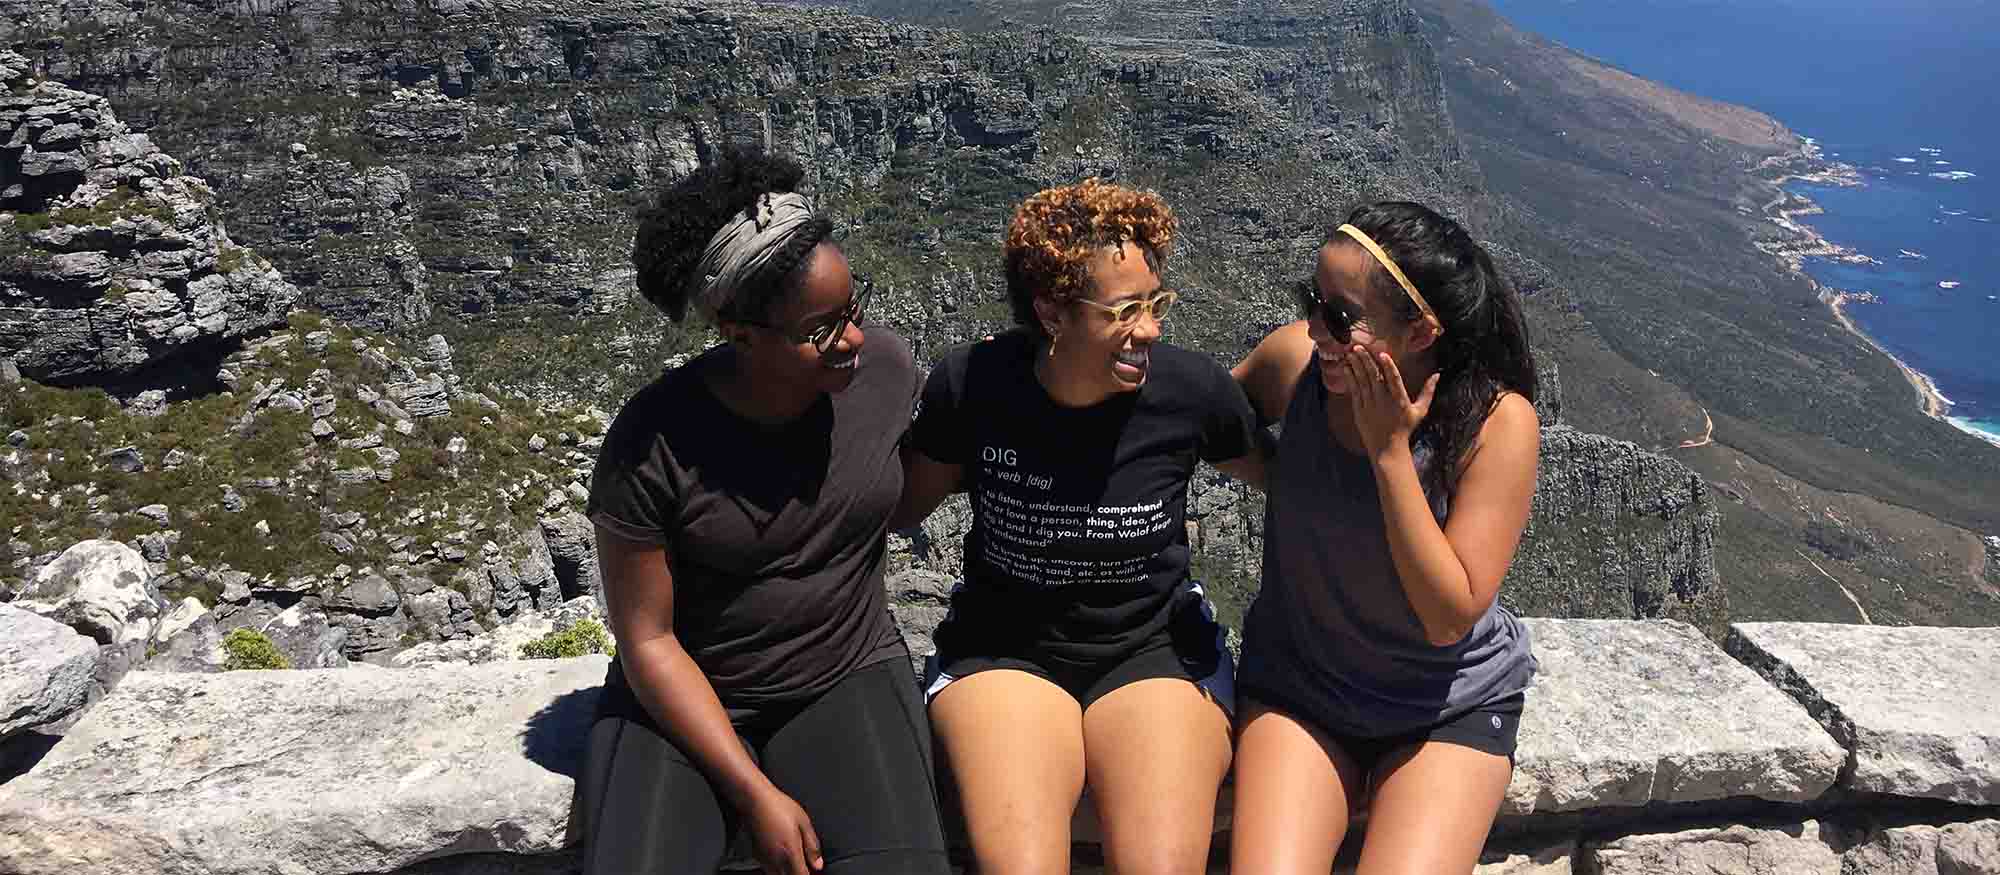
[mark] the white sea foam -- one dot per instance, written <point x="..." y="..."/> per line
<point x="1954" y="175"/>
<point x="1986" y="431"/>
<point x="1906" y="161"/>
<point x="1940" y="163"/>
<point x="1951" y="212"/>
<point x="1931" y="149"/>
<point x="1949" y="284"/>
<point x="1911" y="253"/>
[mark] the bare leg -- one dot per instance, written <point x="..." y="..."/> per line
<point x="1155" y="752"/>
<point x="1295" y="791"/>
<point x="1434" y="804"/>
<point x="1014" y="743"/>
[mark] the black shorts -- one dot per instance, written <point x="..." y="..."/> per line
<point x="858" y="760"/>
<point x="1191" y="648"/>
<point x="1491" y="728"/>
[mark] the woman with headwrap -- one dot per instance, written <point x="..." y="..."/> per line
<point x="741" y="503"/>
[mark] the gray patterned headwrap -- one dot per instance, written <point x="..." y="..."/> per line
<point x="743" y="245"/>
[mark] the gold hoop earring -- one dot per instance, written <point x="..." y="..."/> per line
<point x="1052" y="345"/>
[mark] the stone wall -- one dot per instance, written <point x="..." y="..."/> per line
<point x="1644" y="748"/>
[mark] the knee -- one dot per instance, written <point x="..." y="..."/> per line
<point x="1022" y="861"/>
<point x="1157" y="854"/>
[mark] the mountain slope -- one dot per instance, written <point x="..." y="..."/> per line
<point x="1651" y="205"/>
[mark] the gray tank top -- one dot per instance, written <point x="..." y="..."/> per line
<point x="1331" y="633"/>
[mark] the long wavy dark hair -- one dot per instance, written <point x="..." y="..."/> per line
<point x="1484" y="350"/>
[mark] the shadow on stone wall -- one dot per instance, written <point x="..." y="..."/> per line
<point x="556" y="736"/>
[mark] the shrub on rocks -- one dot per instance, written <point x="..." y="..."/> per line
<point x="249" y="649"/>
<point x="584" y="637"/>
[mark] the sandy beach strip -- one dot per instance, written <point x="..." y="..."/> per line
<point x="1932" y="401"/>
<point x="1784" y="210"/>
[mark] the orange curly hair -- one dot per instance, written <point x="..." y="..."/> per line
<point x="1056" y="232"/>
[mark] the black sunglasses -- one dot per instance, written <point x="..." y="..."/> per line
<point x="823" y="335"/>
<point x="1339" y="321"/>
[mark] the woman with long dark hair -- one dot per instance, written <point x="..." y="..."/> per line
<point x="1378" y="667"/>
<point x="742" y="502"/>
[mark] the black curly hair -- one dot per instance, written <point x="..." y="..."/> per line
<point x="684" y="214"/>
<point x="1484" y="350"/>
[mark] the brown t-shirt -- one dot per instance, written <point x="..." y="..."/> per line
<point x="775" y="534"/>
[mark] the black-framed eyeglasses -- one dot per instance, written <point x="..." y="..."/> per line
<point x="1336" y="314"/>
<point x="823" y="333"/>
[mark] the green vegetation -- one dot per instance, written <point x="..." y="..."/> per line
<point x="431" y="495"/>
<point x="248" y="649"/>
<point x="1230" y="590"/>
<point x="570" y="354"/>
<point x="121" y="204"/>
<point x="229" y="258"/>
<point x="585" y="637"/>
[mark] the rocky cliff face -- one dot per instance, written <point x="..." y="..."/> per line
<point x="399" y="158"/>
<point x="388" y="157"/>
<point x="339" y="492"/>
<point x="113" y="262"/>
<point x="1641" y="525"/>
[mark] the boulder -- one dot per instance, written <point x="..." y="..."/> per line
<point x="918" y="600"/>
<point x="181" y="617"/>
<point x="370" y="596"/>
<point x="1557" y="858"/>
<point x="573" y="550"/>
<point x="45" y="670"/>
<point x="197" y="648"/>
<point x="1924" y="849"/>
<point x="98" y="587"/>
<point x="1789" y="849"/>
<point x="1627" y="713"/>
<point x="371" y="639"/>
<point x="522" y="574"/>
<point x="306" y="637"/>
<point x="422" y="398"/>
<point x="1916" y="707"/>
<point x="504" y="642"/>
<point x="307" y="772"/>
<point x="441" y="615"/>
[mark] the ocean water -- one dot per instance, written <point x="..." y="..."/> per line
<point x="1907" y="91"/>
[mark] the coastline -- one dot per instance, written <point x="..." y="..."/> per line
<point x="1807" y="165"/>
<point x="1932" y="401"/>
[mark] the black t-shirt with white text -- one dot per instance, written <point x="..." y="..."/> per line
<point x="1079" y="538"/>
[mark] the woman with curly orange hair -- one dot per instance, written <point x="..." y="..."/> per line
<point x="1077" y="652"/>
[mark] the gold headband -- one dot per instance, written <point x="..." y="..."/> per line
<point x="1374" y="249"/>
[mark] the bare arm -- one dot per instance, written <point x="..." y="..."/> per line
<point x="1268" y="376"/>
<point x="926" y="482"/>
<point x="639" y="591"/>
<point x="1451" y="575"/>
<point x="1270" y="372"/>
<point x="1250" y="467"/>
